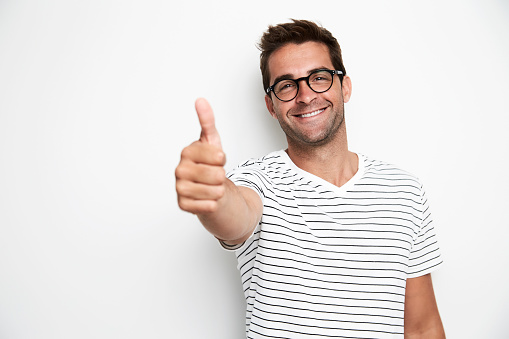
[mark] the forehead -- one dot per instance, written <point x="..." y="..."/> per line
<point x="298" y="59"/>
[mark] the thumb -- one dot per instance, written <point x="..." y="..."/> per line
<point x="209" y="133"/>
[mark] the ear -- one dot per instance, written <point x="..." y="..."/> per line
<point x="346" y="88"/>
<point x="270" y="106"/>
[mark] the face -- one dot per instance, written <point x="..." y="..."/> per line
<point x="310" y="118"/>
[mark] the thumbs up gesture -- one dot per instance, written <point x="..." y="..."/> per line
<point x="209" y="132"/>
<point x="200" y="175"/>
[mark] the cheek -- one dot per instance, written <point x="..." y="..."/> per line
<point x="284" y="108"/>
<point x="277" y="108"/>
<point x="336" y="95"/>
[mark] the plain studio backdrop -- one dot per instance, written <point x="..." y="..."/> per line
<point x="97" y="101"/>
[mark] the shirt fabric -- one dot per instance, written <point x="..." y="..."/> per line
<point x="328" y="261"/>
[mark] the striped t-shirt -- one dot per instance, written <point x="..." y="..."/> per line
<point x="328" y="261"/>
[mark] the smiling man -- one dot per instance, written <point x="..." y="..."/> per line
<point x="330" y="243"/>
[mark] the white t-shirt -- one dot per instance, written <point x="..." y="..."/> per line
<point x="328" y="261"/>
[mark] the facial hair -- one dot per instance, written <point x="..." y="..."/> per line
<point x="299" y="137"/>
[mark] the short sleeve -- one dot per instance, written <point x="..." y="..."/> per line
<point x="250" y="174"/>
<point x="425" y="254"/>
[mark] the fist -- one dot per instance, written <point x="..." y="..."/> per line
<point x="200" y="175"/>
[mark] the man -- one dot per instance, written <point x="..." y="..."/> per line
<point x="330" y="243"/>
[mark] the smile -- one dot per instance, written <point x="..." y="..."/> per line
<point x="312" y="114"/>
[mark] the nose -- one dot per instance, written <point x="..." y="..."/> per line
<point x="305" y="93"/>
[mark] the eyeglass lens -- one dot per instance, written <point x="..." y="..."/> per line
<point x="319" y="82"/>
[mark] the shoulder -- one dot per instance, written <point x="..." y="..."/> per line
<point x="273" y="161"/>
<point x="382" y="170"/>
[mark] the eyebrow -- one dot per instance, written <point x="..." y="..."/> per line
<point x="290" y="76"/>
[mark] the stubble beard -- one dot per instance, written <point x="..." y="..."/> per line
<point x="302" y="140"/>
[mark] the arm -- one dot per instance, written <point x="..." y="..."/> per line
<point x="229" y="212"/>
<point x="422" y="319"/>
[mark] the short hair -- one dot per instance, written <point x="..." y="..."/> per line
<point x="297" y="32"/>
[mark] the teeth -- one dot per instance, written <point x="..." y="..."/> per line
<point x="312" y="113"/>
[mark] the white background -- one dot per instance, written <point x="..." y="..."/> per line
<point x="97" y="100"/>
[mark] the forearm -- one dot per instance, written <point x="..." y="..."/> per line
<point x="234" y="215"/>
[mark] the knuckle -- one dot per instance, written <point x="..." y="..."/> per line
<point x="183" y="204"/>
<point x="212" y="207"/>
<point x="188" y="151"/>
<point x="220" y="192"/>
<point x="222" y="174"/>
<point x="219" y="175"/>
<point x="221" y="158"/>
<point x="182" y="188"/>
<point x="179" y="171"/>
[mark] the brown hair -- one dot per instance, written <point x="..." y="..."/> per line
<point x="297" y="32"/>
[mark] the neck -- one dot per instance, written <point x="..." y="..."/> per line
<point x="332" y="161"/>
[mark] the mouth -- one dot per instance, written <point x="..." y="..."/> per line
<point x="310" y="114"/>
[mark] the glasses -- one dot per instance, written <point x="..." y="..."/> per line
<point x="319" y="81"/>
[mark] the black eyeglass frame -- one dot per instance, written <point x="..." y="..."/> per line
<point x="297" y="81"/>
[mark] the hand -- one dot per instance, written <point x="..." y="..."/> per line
<point x="200" y="175"/>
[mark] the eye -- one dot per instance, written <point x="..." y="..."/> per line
<point x="285" y="86"/>
<point x="321" y="77"/>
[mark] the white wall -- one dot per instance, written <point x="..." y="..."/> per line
<point x="97" y="100"/>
